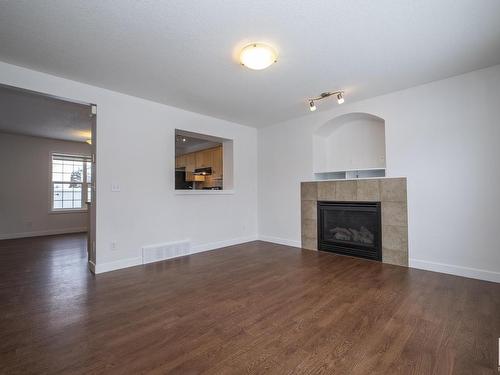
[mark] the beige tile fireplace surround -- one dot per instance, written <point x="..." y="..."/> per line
<point x="391" y="192"/>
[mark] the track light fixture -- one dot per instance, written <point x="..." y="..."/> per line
<point x="338" y="94"/>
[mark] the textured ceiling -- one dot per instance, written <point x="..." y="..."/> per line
<point x="182" y="53"/>
<point x="38" y="115"/>
<point x="192" y="144"/>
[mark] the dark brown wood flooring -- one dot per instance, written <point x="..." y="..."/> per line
<point x="247" y="309"/>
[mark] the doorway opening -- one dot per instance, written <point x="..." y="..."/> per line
<point x="48" y="168"/>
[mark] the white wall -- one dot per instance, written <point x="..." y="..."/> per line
<point x="444" y="136"/>
<point x="25" y="185"/>
<point x="135" y="149"/>
<point x="438" y="135"/>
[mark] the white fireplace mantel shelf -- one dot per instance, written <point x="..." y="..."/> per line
<point x="355" y="179"/>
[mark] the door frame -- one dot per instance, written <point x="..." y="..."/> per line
<point x="92" y="209"/>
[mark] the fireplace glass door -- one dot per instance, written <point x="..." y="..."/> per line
<point x="351" y="228"/>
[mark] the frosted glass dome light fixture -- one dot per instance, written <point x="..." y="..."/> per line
<point x="258" y="56"/>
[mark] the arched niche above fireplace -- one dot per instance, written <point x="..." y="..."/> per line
<point x="348" y="145"/>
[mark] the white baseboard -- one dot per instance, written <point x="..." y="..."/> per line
<point x="49" y="232"/>
<point x="130" y="262"/>
<point x="473" y="273"/>
<point x="281" y="241"/>
<point x="217" y="245"/>
<point x="117" y="265"/>
<point x="91" y="266"/>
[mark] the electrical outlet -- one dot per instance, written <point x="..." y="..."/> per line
<point x="113" y="246"/>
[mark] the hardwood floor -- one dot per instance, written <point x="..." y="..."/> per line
<point x="252" y="308"/>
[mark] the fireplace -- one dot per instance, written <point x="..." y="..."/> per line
<point x="350" y="228"/>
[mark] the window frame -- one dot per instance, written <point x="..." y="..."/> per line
<point x="85" y="184"/>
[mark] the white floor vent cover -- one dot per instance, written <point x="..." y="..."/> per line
<point x="155" y="253"/>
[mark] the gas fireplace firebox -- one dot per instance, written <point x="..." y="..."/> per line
<point x="350" y="228"/>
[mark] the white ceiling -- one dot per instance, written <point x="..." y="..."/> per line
<point x="29" y="113"/>
<point x="182" y="52"/>
<point x="192" y="144"/>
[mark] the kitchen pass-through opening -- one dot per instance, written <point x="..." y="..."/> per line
<point x="202" y="162"/>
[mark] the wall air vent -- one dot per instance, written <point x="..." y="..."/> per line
<point x="155" y="253"/>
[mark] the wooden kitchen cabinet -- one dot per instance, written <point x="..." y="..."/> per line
<point x="204" y="158"/>
<point x="190" y="162"/>
<point x="217" y="162"/>
<point x="210" y="158"/>
<point x="180" y="161"/>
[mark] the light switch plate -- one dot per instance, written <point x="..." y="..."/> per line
<point x="115" y="187"/>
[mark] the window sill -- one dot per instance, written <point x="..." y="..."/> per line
<point x="204" y="192"/>
<point x="74" y="211"/>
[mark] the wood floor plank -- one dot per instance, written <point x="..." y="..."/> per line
<point x="247" y="309"/>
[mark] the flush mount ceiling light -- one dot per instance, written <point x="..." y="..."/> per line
<point x="338" y="94"/>
<point x="258" y="56"/>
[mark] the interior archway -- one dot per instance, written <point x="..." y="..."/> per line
<point x="353" y="141"/>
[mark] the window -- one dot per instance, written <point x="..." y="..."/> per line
<point x="71" y="182"/>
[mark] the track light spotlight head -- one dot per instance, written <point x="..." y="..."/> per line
<point x="340" y="97"/>
<point x="312" y="106"/>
